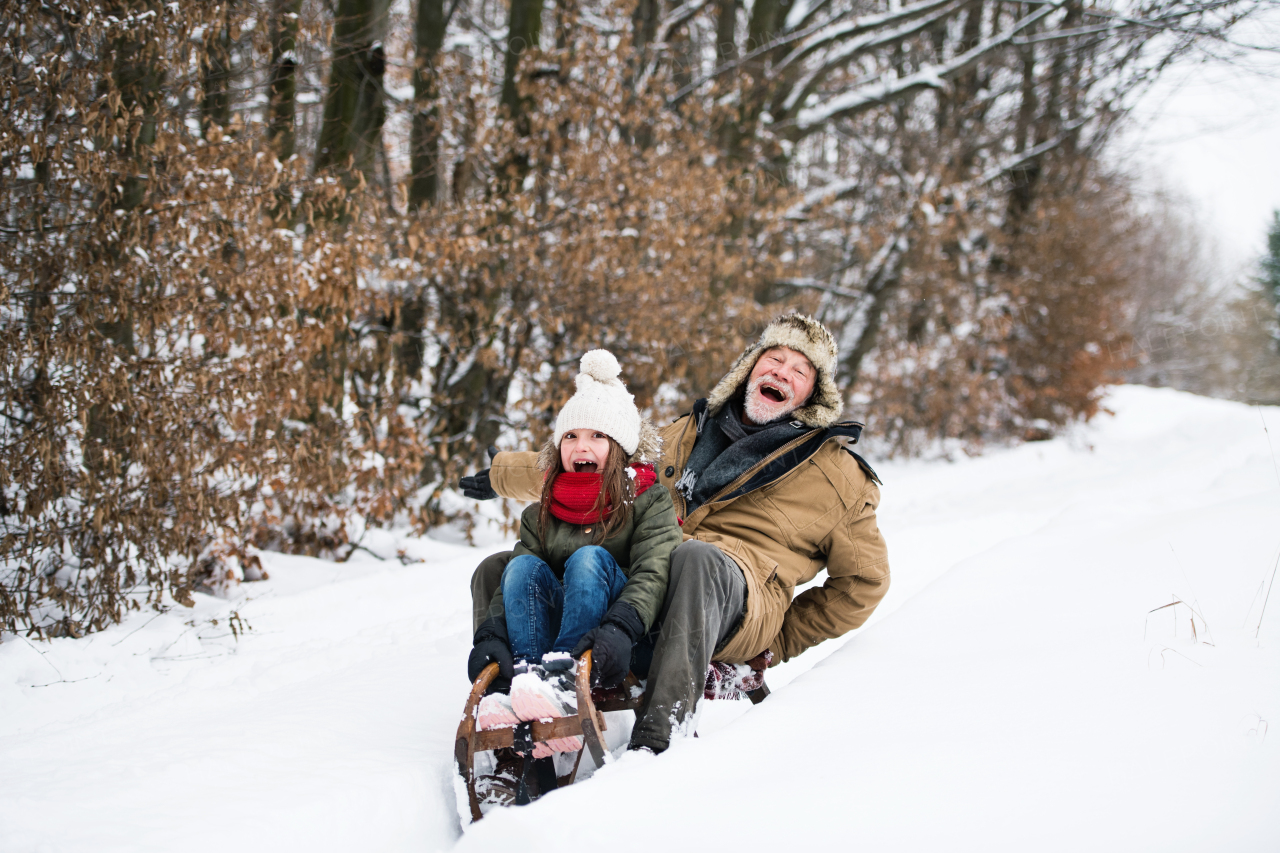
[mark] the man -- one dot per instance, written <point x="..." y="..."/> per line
<point x="768" y="495"/>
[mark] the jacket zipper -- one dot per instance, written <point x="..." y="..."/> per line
<point x="750" y="472"/>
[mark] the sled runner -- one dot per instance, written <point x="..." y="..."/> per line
<point x="537" y="776"/>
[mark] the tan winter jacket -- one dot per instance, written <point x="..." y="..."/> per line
<point x="815" y="508"/>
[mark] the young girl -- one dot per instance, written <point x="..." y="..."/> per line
<point x="590" y="570"/>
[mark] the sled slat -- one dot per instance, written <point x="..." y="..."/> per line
<point x="559" y="727"/>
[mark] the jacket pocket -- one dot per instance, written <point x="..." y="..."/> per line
<point x="798" y="503"/>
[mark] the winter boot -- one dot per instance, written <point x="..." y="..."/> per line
<point x="500" y="787"/>
<point x="538" y="695"/>
<point x="494" y="712"/>
<point x="736" y="681"/>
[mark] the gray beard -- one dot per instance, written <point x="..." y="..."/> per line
<point x="759" y="413"/>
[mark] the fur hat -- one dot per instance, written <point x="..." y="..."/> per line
<point x="811" y="339"/>
<point x="601" y="403"/>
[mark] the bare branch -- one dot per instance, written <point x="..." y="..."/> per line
<point x="677" y="18"/>
<point x="1017" y="160"/>
<point x="834" y="33"/>
<point x="930" y="77"/>
<point x="860" y="46"/>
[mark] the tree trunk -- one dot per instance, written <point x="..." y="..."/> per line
<point x="1025" y="176"/>
<point x="524" y="27"/>
<point x="882" y="287"/>
<point x="354" y="108"/>
<point x="726" y="30"/>
<point x="764" y="26"/>
<point x="424" y="139"/>
<point x="139" y="82"/>
<point x="762" y="23"/>
<point x="215" y="109"/>
<point x="644" y="28"/>
<point x="283" y="83"/>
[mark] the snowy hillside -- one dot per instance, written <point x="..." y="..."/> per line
<point x="1018" y="690"/>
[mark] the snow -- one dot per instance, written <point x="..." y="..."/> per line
<point x="796" y="14"/>
<point x="1017" y="690"/>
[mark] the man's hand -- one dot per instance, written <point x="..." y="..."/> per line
<point x="611" y="644"/>
<point x="477" y="486"/>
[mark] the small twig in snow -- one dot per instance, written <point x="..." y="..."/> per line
<point x="136" y="630"/>
<point x="1268" y="598"/>
<point x="358" y="547"/>
<point x="1194" y="596"/>
<point x="66" y="681"/>
<point x="42" y="657"/>
<point x="1195" y="614"/>
<point x="1164" y="649"/>
<point x="1274" y="465"/>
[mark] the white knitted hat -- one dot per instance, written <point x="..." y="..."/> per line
<point x="601" y="403"/>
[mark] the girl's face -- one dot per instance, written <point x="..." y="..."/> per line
<point x="584" y="451"/>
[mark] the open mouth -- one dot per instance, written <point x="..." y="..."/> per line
<point x="772" y="394"/>
<point x="584" y="466"/>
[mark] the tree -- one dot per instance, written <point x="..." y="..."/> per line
<point x="154" y="319"/>
<point x="1191" y="332"/>
<point x="354" y="110"/>
<point x="282" y="86"/>
<point x="254" y="290"/>
<point x="1269" y="277"/>
<point x="429" y="33"/>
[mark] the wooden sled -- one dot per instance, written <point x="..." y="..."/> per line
<point x="588" y="723"/>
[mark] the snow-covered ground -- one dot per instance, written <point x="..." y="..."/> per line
<point x="1019" y="690"/>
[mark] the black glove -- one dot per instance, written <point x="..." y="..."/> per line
<point x="491" y="646"/>
<point x="477" y="485"/>
<point x="611" y="644"/>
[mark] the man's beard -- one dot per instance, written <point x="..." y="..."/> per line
<point x="760" y="409"/>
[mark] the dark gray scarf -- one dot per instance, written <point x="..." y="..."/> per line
<point x="725" y="448"/>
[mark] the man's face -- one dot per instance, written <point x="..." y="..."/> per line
<point x="780" y="383"/>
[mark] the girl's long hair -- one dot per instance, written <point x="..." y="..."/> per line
<point x="617" y="491"/>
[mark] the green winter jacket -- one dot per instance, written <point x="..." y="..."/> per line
<point x="642" y="548"/>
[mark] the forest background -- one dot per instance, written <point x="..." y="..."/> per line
<point x="272" y="271"/>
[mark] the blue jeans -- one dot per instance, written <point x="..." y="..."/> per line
<point x="544" y="615"/>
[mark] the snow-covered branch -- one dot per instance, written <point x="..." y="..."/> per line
<point x="726" y="67"/>
<point x="677" y="18"/>
<point x="834" y="33"/>
<point x="930" y="77"/>
<point x="868" y="41"/>
<point x="1068" y="130"/>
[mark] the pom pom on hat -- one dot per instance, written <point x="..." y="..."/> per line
<point x="601" y="403"/>
<point x="600" y="365"/>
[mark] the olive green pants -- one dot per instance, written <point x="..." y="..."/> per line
<point x="484" y="583"/>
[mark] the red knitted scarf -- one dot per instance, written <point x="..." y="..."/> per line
<point x="574" y="495"/>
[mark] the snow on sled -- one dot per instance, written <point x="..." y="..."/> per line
<point x="520" y="779"/>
